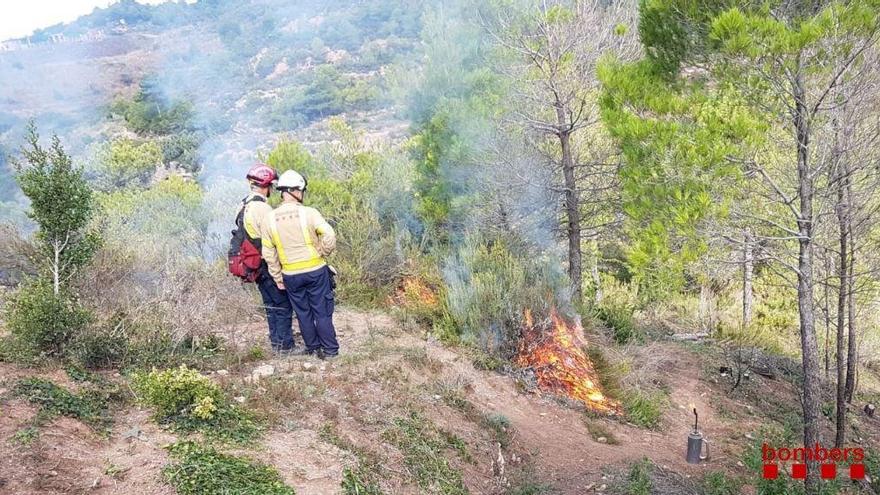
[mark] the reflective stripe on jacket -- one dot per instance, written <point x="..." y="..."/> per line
<point x="296" y="239"/>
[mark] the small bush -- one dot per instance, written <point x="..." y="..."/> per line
<point x="190" y="401"/>
<point x="718" y="483"/>
<point x="423" y="450"/>
<point x="639" y="480"/>
<point x="354" y="483"/>
<point x="90" y="406"/>
<point x="644" y="408"/>
<point x="42" y="322"/>
<point x="202" y="470"/>
<point x="619" y="319"/>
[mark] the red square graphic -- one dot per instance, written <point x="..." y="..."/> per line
<point x="857" y="471"/>
<point x="771" y="471"/>
<point x="799" y="471"/>
<point x="829" y="471"/>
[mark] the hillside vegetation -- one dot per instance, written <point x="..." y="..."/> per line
<point x="565" y="228"/>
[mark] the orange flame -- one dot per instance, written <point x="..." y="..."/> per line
<point x="556" y="354"/>
<point x="413" y="291"/>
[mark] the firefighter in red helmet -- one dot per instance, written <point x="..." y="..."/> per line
<point x="279" y="311"/>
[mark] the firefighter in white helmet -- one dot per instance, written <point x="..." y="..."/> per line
<point x="296" y="240"/>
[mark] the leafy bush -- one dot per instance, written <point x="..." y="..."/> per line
<point x="127" y="162"/>
<point x="423" y="449"/>
<point x="620" y="320"/>
<point x="489" y="286"/>
<point x="190" y="401"/>
<point x="342" y="187"/>
<point x="152" y="113"/>
<point x="644" y="408"/>
<point x="202" y="470"/>
<point x="42" y="322"/>
<point x="90" y="406"/>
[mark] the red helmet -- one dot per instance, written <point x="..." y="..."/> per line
<point x="262" y="175"/>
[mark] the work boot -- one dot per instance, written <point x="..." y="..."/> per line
<point x="293" y="351"/>
<point x="329" y="357"/>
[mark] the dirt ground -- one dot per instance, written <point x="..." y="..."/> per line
<point x="384" y="373"/>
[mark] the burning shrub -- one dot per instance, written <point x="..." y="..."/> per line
<point x="555" y="351"/>
<point x="488" y="286"/>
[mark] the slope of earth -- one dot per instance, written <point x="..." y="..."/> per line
<point x="372" y="407"/>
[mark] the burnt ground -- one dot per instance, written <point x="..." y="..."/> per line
<point x="388" y="373"/>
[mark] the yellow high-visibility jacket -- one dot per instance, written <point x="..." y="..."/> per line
<point x="296" y="239"/>
<point x="255" y="214"/>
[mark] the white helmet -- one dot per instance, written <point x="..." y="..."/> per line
<point x="291" y="180"/>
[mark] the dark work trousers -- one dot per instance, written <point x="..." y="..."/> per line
<point x="312" y="299"/>
<point x="278" y="313"/>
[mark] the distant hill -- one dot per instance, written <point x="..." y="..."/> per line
<point x="251" y="69"/>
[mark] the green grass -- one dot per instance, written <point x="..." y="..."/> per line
<point x="718" y="483"/>
<point x="362" y="479"/>
<point x="638" y="481"/>
<point x="91" y="406"/>
<point x="424" y="449"/>
<point x="189" y="402"/>
<point x="202" y="470"/>
<point x="644" y="409"/>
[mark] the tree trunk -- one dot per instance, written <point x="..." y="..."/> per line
<point x="572" y="208"/>
<point x="842" y="273"/>
<point x="594" y="273"/>
<point x="748" y="267"/>
<point x="56" y="270"/>
<point x="852" y="350"/>
<point x="827" y="313"/>
<point x="809" y="349"/>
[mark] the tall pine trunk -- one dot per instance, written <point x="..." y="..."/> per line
<point x="572" y="207"/>
<point x="809" y="348"/>
<point x="842" y="274"/>
<point x="748" y="268"/>
<point x="852" y="348"/>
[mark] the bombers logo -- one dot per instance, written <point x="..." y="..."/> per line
<point x="828" y="459"/>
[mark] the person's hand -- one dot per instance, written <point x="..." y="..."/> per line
<point x="280" y="285"/>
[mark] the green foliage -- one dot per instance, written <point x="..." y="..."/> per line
<point x="718" y="483"/>
<point x="62" y="205"/>
<point x="367" y="259"/>
<point x="639" y="479"/>
<point x="354" y="484"/>
<point x="190" y="401"/>
<point x="90" y="406"/>
<point x="170" y="213"/>
<point x="125" y="162"/>
<point x="619" y="319"/>
<point x="326" y="93"/>
<point x="42" y="322"/>
<point x="202" y="470"/>
<point x="150" y="113"/>
<point x="423" y="449"/>
<point x="644" y="408"/>
<point x="489" y="286"/>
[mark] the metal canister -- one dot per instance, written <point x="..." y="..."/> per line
<point x="696" y="442"/>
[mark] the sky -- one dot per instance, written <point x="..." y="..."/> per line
<point x="21" y="17"/>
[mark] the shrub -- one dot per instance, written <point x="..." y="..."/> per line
<point x="178" y="392"/>
<point x="127" y="162"/>
<point x="620" y="320"/>
<point x="639" y="480"/>
<point x="489" y="286"/>
<point x="42" y="322"/>
<point x="202" y="470"/>
<point x="190" y="401"/>
<point x="423" y="446"/>
<point x="90" y="406"/>
<point x="644" y="408"/>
